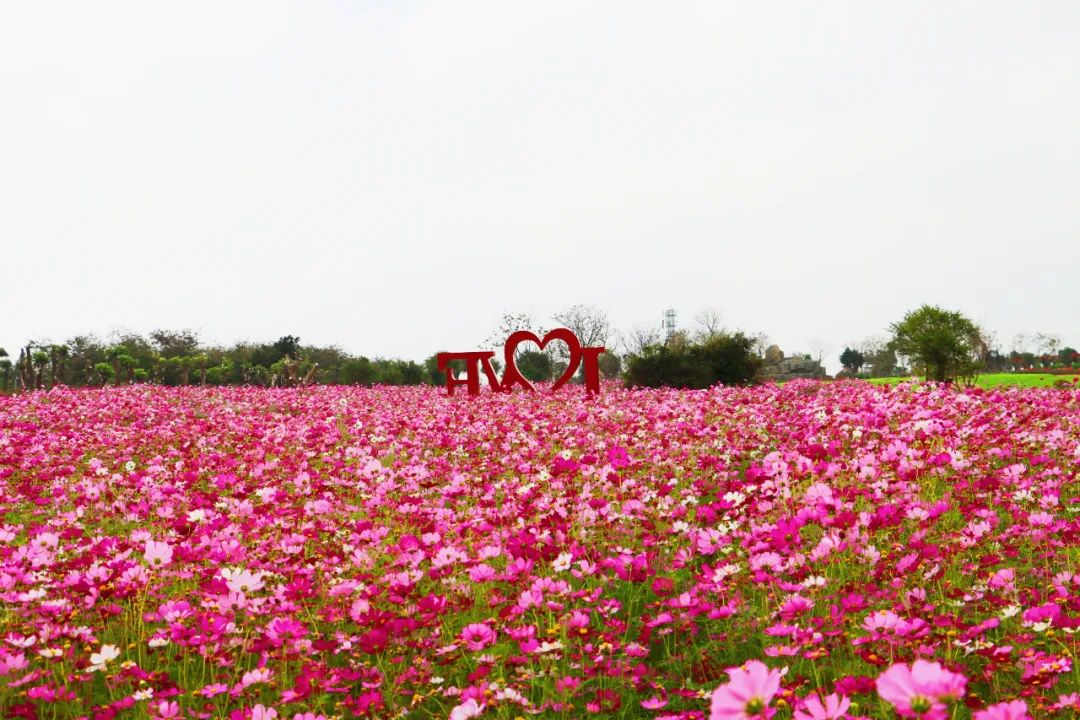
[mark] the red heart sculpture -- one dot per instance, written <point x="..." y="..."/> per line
<point x="513" y="376"/>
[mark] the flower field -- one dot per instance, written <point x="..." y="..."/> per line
<point x="812" y="551"/>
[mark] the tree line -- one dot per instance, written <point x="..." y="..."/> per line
<point x="933" y="342"/>
<point x="945" y="345"/>
<point x="168" y="357"/>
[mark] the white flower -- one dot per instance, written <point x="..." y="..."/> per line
<point x="1010" y="611"/>
<point x="196" y="516"/>
<point x="130" y="466"/>
<point x="101" y="658"/>
<point x="144" y="694"/>
<point x="158" y="642"/>
<point x="562" y="563"/>
<point x="734" y="497"/>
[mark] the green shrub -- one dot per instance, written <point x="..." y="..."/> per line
<point x="727" y="358"/>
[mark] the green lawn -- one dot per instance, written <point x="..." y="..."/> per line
<point x="997" y="379"/>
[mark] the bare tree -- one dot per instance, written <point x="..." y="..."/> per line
<point x="509" y="324"/>
<point x="639" y="338"/>
<point x="819" y="349"/>
<point x="1048" y="343"/>
<point x="590" y="324"/>
<point x="708" y="325"/>
<point x="878" y="355"/>
<point x="759" y="343"/>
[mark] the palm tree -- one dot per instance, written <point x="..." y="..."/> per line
<point x="121" y="362"/>
<point x="5" y="367"/>
<point x="40" y="359"/>
<point x="58" y="355"/>
<point x="104" y="372"/>
<point x="128" y="364"/>
<point x="201" y="359"/>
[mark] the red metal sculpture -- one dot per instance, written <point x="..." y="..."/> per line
<point x="480" y="360"/>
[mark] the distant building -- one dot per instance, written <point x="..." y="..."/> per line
<point x="782" y="369"/>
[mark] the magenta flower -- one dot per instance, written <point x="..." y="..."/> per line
<point x="168" y="709"/>
<point x="477" y="636"/>
<point x="1015" y="710"/>
<point x="468" y="709"/>
<point x="920" y="691"/>
<point x="260" y="712"/>
<point x="834" y="707"/>
<point x="747" y="694"/>
<point x="158" y="554"/>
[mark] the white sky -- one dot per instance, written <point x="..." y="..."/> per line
<point x="392" y="176"/>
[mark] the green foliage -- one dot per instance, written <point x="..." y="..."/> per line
<point x="104" y="372"/>
<point x="726" y="358"/>
<point x="941" y="344"/>
<point x="534" y="365"/>
<point x="610" y="365"/>
<point x="217" y="375"/>
<point x="358" y="371"/>
<point x="171" y="343"/>
<point x="268" y="355"/>
<point x="1001" y="380"/>
<point x="434" y="376"/>
<point x="852" y="360"/>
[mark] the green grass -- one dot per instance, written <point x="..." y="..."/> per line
<point x="993" y="380"/>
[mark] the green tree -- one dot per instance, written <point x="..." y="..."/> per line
<point x="727" y="358"/>
<point x="357" y="371"/>
<point x="58" y="356"/>
<point x="40" y="360"/>
<point x="388" y="373"/>
<point x="122" y="363"/>
<point x="941" y="344"/>
<point x="435" y="376"/>
<point x="6" y="367"/>
<point x="268" y="355"/>
<point x="104" y="372"/>
<point x="852" y="360"/>
<point x="534" y="365"/>
<point x="170" y="343"/>
<point x="611" y="364"/>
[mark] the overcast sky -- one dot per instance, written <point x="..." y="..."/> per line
<point x="393" y="176"/>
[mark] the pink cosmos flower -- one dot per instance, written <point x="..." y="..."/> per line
<point x="242" y="581"/>
<point x="834" y="707"/>
<point x="1015" y="710"/>
<point x="477" y="636"/>
<point x="263" y="713"/>
<point x="282" y="630"/>
<point x="469" y="708"/>
<point x="168" y="709"/>
<point x="919" y="691"/>
<point x="158" y="554"/>
<point x="747" y="694"/>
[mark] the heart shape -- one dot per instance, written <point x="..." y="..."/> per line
<point x="513" y="376"/>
